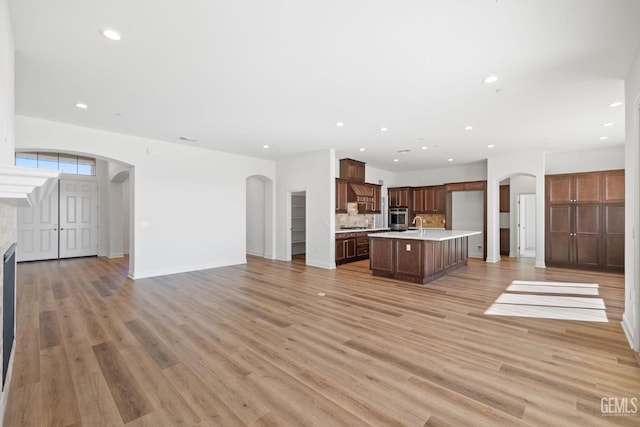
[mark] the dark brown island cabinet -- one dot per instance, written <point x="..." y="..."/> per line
<point x="585" y="220"/>
<point x="418" y="256"/>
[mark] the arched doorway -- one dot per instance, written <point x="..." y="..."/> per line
<point x="518" y="223"/>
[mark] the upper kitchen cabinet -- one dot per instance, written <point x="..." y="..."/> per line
<point x="504" y="199"/>
<point x="399" y="197"/>
<point x="418" y="199"/>
<point x="342" y="190"/>
<point x="574" y="188"/>
<point x="429" y="200"/>
<point x="613" y="182"/>
<point x="435" y="200"/>
<point x="376" y="206"/>
<point x="352" y="170"/>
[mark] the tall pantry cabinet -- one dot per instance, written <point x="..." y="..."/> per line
<point x="585" y="220"/>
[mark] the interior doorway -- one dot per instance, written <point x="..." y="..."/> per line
<point x="298" y="223"/>
<point x="526" y="225"/>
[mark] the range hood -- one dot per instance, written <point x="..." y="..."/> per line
<point x="362" y="190"/>
<point x="27" y="186"/>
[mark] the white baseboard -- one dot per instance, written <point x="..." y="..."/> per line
<point x="493" y="260"/>
<point x="628" y="332"/>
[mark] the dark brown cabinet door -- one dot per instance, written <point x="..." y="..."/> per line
<point x="418" y="202"/>
<point x="587" y="188"/>
<point x="586" y="235"/>
<point x="614" y="235"/>
<point x="340" y="250"/>
<point x="441" y="199"/>
<point x="505" y="200"/>
<point x="375" y="205"/>
<point x="505" y="242"/>
<point x="352" y="170"/>
<point x="559" y="189"/>
<point x="613" y="186"/>
<point x="399" y="197"/>
<point x="350" y="248"/>
<point x="342" y="188"/>
<point x="430" y="199"/>
<point x="559" y="235"/>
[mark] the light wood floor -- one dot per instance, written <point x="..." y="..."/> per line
<point x="256" y="345"/>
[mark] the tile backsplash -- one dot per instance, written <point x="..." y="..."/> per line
<point x="432" y="220"/>
<point x="358" y="220"/>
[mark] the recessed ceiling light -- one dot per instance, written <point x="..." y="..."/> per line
<point x="362" y="149"/>
<point x="82" y="106"/>
<point x="383" y="129"/>
<point x="111" y="34"/>
<point x="491" y="79"/>
<point x="606" y="125"/>
<point x="449" y="160"/>
<point x="468" y="127"/>
<point x="396" y="160"/>
<point x="615" y="104"/>
<point x="424" y="148"/>
<point x="490" y="146"/>
<point x="265" y="146"/>
<point x="602" y="138"/>
<point x="339" y="124"/>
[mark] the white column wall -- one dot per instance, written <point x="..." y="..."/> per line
<point x="631" y="316"/>
<point x="314" y="173"/>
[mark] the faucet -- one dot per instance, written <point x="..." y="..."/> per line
<point x="414" y="221"/>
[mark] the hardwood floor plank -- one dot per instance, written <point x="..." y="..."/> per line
<point x="25" y="409"/>
<point x="49" y="330"/>
<point x="154" y="346"/>
<point x="58" y="398"/>
<point x="129" y="397"/>
<point x="96" y="404"/>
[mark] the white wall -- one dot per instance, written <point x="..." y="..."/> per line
<point x="314" y="173"/>
<point x="631" y="316"/>
<point x="602" y="159"/>
<point x="255" y="216"/>
<point x="468" y="172"/>
<point x="499" y="168"/>
<point x="467" y="213"/>
<point x="182" y="195"/>
<point x="518" y="184"/>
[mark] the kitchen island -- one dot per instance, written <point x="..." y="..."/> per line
<point x="418" y="256"/>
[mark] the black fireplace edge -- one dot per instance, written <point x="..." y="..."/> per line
<point x="8" y="307"/>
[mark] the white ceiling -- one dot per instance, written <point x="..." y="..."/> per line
<point x="237" y="75"/>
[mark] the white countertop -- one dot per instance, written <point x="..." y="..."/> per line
<point x="426" y="234"/>
<point x="359" y="230"/>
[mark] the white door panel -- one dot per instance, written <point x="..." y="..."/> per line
<point x="38" y="230"/>
<point x="78" y="218"/>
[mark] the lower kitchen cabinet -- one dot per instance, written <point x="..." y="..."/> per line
<point x="346" y="244"/>
<point x="352" y="246"/>
<point x="505" y="241"/>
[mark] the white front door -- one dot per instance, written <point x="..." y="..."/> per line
<point x="38" y="230"/>
<point x="78" y="218"/>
